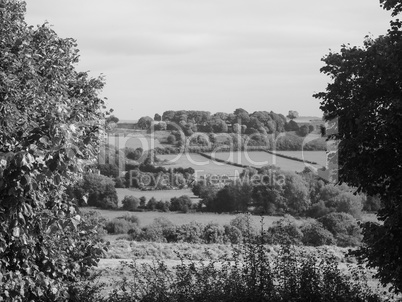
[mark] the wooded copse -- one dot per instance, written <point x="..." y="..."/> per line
<point x="240" y="121"/>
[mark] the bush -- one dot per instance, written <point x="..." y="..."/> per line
<point x="119" y="182"/>
<point x="344" y="228"/>
<point x="243" y="224"/>
<point x="110" y="170"/>
<point x="99" y="189"/>
<point x="171" y="139"/>
<point x="181" y="204"/>
<point x="233" y="234"/>
<point x="213" y="233"/>
<point x="130" y="203"/>
<point x="191" y="233"/>
<point x="251" y="276"/>
<point x="159" y="230"/>
<point x="284" y="231"/>
<point x="120" y="226"/>
<point x="131" y="218"/>
<point x="162" y="206"/>
<point x="314" y="234"/>
<point x="151" y="204"/>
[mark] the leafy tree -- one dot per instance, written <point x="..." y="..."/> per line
<point x="182" y="203"/>
<point x="364" y="96"/>
<point x="168" y="115"/>
<point x="292" y="115"/>
<point x="279" y="120"/>
<point x="50" y="121"/>
<point x="112" y="119"/>
<point x="145" y="122"/>
<point x="344" y="227"/>
<point x="292" y="126"/>
<point x="236" y="128"/>
<point x="295" y="193"/>
<point x="303" y="130"/>
<point x="242" y="116"/>
<point x="130" y="203"/>
<point x="157" y="117"/>
<point x="99" y="191"/>
<point x="171" y="139"/>
<point x="110" y="170"/>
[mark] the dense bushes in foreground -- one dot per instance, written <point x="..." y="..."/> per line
<point x="253" y="273"/>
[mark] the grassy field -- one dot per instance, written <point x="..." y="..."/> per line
<point x="256" y="159"/>
<point x="137" y="139"/>
<point x="316" y="156"/>
<point x="200" y="164"/>
<point x="259" y="159"/>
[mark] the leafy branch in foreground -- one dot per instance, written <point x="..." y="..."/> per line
<point x="50" y="120"/>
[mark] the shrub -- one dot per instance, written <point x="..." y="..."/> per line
<point x="233" y="234"/>
<point x="250" y="276"/>
<point x="344" y="227"/>
<point x="213" y="233"/>
<point x="243" y="224"/>
<point x="315" y="234"/>
<point x="191" y="233"/>
<point x="171" y="139"/>
<point x="318" y="209"/>
<point x="151" y="204"/>
<point x="100" y="191"/>
<point x="110" y="170"/>
<point x="162" y="206"/>
<point x="159" y="230"/>
<point x="284" y="231"/>
<point x="130" y="203"/>
<point x="131" y="218"/>
<point x="182" y="204"/>
<point x="120" y="226"/>
<point x="119" y="182"/>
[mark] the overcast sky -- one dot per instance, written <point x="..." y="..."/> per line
<point x="214" y="55"/>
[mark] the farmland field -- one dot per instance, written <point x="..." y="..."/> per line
<point x="256" y="159"/>
<point x="138" y="139"/>
<point x="259" y="159"/>
<point x="316" y="156"/>
<point x="200" y="164"/>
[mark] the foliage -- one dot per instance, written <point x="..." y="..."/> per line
<point x="284" y="231"/>
<point x="112" y="119"/>
<point x="364" y="98"/>
<point x="110" y="170"/>
<point x="180" y="204"/>
<point x="120" y="226"/>
<point x="145" y="122"/>
<point x="344" y="227"/>
<point x="130" y="203"/>
<point x="242" y="222"/>
<point x="304" y="130"/>
<point x="99" y="191"/>
<point x="157" y="117"/>
<point x="251" y="275"/>
<point x="315" y="234"/>
<point x="51" y="117"/>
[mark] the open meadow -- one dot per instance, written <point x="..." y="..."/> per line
<point x="200" y="164"/>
